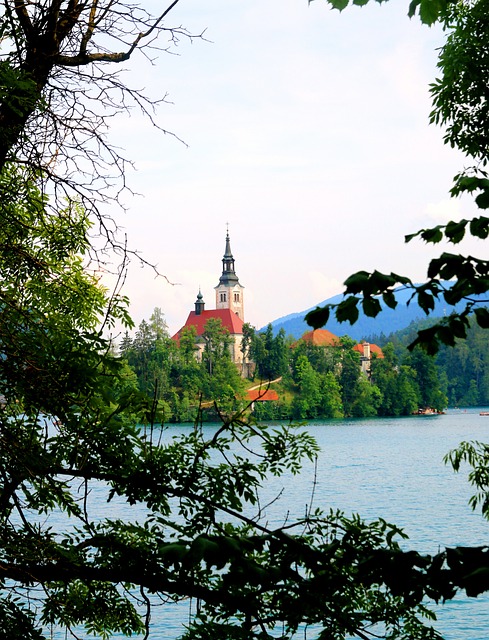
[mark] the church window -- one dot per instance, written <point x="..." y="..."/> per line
<point x="223" y="297"/>
<point x="236" y="297"/>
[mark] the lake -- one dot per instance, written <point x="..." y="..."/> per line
<point x="391" y="468"/>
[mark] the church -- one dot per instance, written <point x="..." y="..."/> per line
<point x="229" y="310"/>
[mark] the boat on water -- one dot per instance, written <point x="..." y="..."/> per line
<point x="484" y="413"/>
<point x="428" y="411"/>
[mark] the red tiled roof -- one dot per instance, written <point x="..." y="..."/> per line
<point x="373" y="349"/>
<point x="261" y="395"/>
<point x="321" y="338"/>
<point x="230" y="321"/>
<point x="377" y="350"/>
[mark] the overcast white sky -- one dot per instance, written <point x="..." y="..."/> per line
<point x="307" y="132"/>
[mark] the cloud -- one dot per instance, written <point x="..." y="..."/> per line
<point x="445" y="210"/>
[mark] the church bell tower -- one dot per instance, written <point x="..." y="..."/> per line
<point x="229" y="292"/>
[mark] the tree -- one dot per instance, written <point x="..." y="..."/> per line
<point x="151" y="355"/>
<point x="397" y="384"/>
<point x="279" y="355"/>
<point x="309" y="396"/>
<point x="220" y="381"/>
<point x="216" y="344"/>
<point x="158" y="324"/>
<point x="359" y="397"/>
<point x="270" y="353"/>
<point x="246" y="344"/>
<point x="187" y="343"/>
<point x="460" y="105"/>
<point x="61" y="86"/>
<point x="330" y="405"/>
<point x="259" y="354"/>
<point x="125" y="345"/>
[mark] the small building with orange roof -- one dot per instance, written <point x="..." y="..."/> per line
<point x="262" y="394"/>
<point x="368" y="351"/>
<point x="321" y="338"/>
<point x="324" y="338"/>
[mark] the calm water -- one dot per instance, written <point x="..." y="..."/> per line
<point x="389" y="468"/>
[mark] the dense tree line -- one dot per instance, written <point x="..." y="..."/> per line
<point x="463" y="370"/>
<point x="313" y="381"/>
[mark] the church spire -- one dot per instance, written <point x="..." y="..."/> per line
<point x="229" y="292"/>
<point x="229" y="277"/>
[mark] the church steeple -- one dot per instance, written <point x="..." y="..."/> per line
<point x="229" y="276"/>
<point x="199" y="304"/>
<point x="229" y="292"/>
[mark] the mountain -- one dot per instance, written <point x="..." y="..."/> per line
<point x="388" y="321"/>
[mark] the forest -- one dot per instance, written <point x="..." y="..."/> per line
<point x="311" y="381"/>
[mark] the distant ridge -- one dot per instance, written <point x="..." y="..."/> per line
<point x="388" y="321"/>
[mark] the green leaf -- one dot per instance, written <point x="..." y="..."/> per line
<point x="427" y="340"/>
<point x="426" y="301"/>
<point x="468" y="183"/>
<point x="347" y="310"/>
<point x="479" y="227"/>
<point x="318" y="317"/>
<point x="458" y="325"/>
<point x="477" y="582"/>
<point x="455" y="231"/>
<point x="379" y="282"/>
<point x="357" y="282"/>
<point x="482" y="317"/>
<point x="447" y="262"/>
<point x="339" y="4"/>
<point x="411" y="236"/>
<point x="429" y="10"/>
<point x="434" y="235"/>
<point x="413" y="5"/>
<point x="389" y="299"/>
<point x="402" y="279"/>
<point x="371" y="307"/>
<point x="445" y="335"/>
<point x="482" y="200"/>
<point x="173" y="553"/>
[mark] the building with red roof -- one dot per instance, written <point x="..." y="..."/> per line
<point x="324" y="338"/>
<point x="367" y="351"/>
<point x="229" y="310"/>
<point x="321" y="338"/>
<point x="261" y="395"/>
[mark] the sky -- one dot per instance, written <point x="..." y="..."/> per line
<point x="306" y="131"/>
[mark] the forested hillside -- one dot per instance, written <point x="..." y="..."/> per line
<point x="463" y="370"/>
